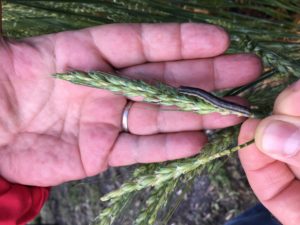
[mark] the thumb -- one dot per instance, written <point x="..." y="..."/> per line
<point x="279" y="137"/>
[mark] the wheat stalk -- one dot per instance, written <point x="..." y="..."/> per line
<point x="158" y="93"/>
<point x="270" y="58"/>
<point x="116" y="206"/>
<point x="113" y="210"/>
<point x="156" y="201"/>
<point x="176" y="169"/>
<point x="164" y="178"/>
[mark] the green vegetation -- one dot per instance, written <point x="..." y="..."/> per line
<point x="268" y="28"/>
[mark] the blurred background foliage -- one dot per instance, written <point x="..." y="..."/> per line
<point x="269" y="28"/>
<point x="264" y="20"/>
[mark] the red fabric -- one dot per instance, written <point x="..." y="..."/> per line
<point x="19" y="204"/>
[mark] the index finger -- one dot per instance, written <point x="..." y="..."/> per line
<point x="124" y="45"/>
<point x="287" y="102"/>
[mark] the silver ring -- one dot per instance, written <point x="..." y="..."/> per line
<point x="125" y="116"/>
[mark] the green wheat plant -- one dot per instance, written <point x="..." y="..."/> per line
<point x="268" y="28"/>
<point x="159" y="93"/>
<point x="164" y="178"/>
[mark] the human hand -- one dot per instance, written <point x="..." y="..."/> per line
<point x="273" y="167"/>
<point x="53" y="131"/>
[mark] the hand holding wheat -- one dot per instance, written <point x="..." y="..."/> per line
<point x="273" y="166"/>
<point x="53" y="131"/>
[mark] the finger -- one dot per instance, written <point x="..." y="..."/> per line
<point x="124" y="45"/>
<point x="147" y="119"/>
<point x="130" y="149"/>
<point x="224" y="71"/>
<point x="271" y="180"/>
<point x="287" y="102"/>
<point x="279" y="137"/>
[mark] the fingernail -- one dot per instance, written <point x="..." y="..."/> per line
<point x="281" y="138"/>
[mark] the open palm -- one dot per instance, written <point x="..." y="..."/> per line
<point x="52" y="131"/>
